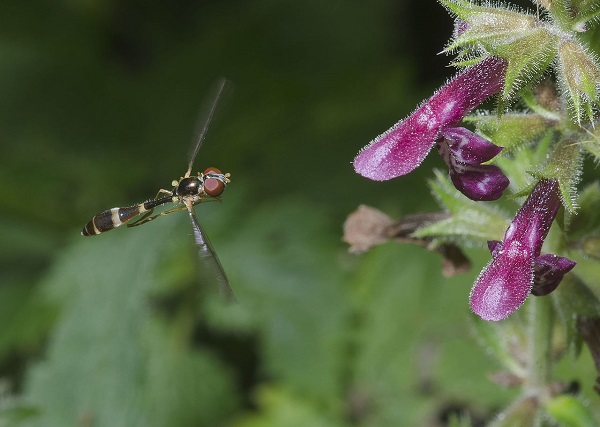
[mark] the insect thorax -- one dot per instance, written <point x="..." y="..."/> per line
<point x="191" y="186"/>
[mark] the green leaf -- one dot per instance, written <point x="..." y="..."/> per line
<point x="203" y="394"/>
<point x="587" y="219"/>
<point x="521" y="413"/>
<point x="584" y="12"/>
<point x="561" y="12"/>
<point x="15" y="415"/>
<point x="494" y="337"/>
<point x="280" y="407"/>
<point x="528" y="58"/>
<point x="107" y="362"/>
<point x="579" y="73"/>
<point x="27" y="317"/>
<point x="572" y="299"/>
<point x="510" y="34"/>
<point x="542" y="99"/>
<point x="490" y="26"/>
<point x="570" y="412"/>
<point x="460" y="8"/>
<point x="590" y="246"/>
<point x="592" y="146"/>
<point x="564" y="165"/>
<point x="470" y="220"/>
<point x="400" y="310"/>
<point x="459" y="421"/>
<point x="292" y="295"/>
<point x="519" y="164"/>
<point x="511" y="130"/>
<point x="466" y="58"/>
<point x="576" y="298"/>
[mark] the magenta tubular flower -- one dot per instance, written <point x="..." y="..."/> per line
<point x="517" y="268"/>
<point x="403" y="147"/>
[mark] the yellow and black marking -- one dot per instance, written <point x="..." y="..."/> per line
<point x="116" y="217"/>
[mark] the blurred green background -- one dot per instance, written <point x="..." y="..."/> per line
<point x="99" y="102"/>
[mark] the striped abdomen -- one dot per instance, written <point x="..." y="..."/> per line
<point x="115" y="217"/>
<point x="111" y="218"/>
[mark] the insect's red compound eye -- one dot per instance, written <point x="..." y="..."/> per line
<point x="213" y="186"/>
<point x="212" y="170"/>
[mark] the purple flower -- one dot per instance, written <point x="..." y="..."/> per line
<point x="517" y="268"/>
<point x="403" y="147"/>
<point x="464" y="152"/>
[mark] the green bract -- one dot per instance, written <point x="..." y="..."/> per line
<point x="565" y="167"/>
<point x="470" y="221"/>
<point x="580" y="76"/>
<point x="511" y="130"/>
<point x="531" y="44"/>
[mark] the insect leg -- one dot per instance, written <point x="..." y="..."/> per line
<point x="147" y="218"/>
<point x="144" y="218"/>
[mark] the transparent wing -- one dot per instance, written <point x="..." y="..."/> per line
<point x="220" y="86"/>
<point x="212" y="269"/>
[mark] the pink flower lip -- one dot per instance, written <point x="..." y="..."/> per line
<point x="404" y="146"/>
<point x="399" y="150"/>
<point x="504" y="284"/>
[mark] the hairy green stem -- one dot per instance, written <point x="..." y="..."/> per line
<point x="540" y="347"/>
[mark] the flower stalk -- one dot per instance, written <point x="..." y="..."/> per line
<point x="540" y="349"/>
